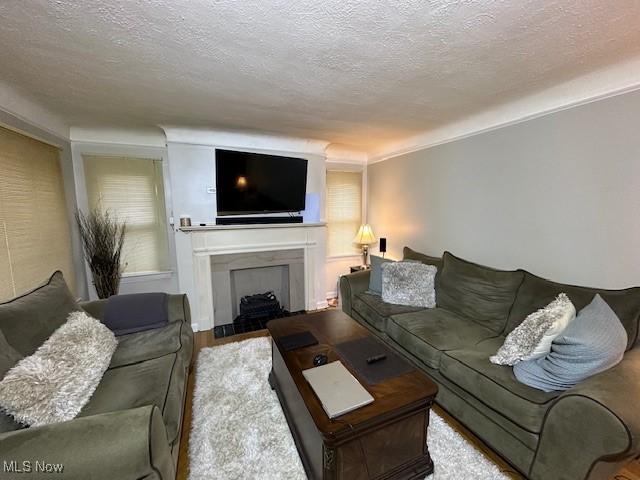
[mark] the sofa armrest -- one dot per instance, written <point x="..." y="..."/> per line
<point x="177" y="305"/>
<point x="593" y="429"/>
<point x="179" y="309"/>
<point x="352" y="285"/>
<point x="128" y="444"/>
<point x="95" y="308"/>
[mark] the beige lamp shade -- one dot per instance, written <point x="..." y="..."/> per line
<point x="365" y="235"/>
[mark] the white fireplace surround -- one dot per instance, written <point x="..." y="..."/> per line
<point x="196" y="245"/>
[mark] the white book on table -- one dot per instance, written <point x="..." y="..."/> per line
<point x="338" y="390"/>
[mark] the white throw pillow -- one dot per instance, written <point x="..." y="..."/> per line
<point x="54" y="383"/>
<point x="409" y="283"/>
<point x="533" y="337"/>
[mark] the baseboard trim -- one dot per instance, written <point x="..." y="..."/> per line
<point x="322" y="305"/>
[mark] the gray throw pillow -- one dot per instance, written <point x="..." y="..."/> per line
<point x="54" y="383"/>
<point x="594" y="342"/>
<point x="409" y="283"/>
<point x="375" y="278"/>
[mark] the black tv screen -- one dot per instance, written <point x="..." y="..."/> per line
<point x="249" y="183"/>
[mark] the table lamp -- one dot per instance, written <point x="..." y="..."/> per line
<point x="365" y="237"/>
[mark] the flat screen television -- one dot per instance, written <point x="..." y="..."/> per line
<point x="250" y="183"/>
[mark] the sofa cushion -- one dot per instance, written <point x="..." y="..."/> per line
<point x="427" y="333"/>
<point x="496" y="385"/>
<point x="27" y="321"/>
<point x="375" y="311"/>
<point x="8" y="358"/>
<point x="9" y="424"/>
<point x="482" y="294"/>
<point x="141" y="346"/>
<point x="409" y="254"/>
<point x="536" y="292"/>
<point x="160" y="381"/>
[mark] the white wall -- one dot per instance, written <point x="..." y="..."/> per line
<point x="192" y="171"/>
<point x="557" y="195"/>
<point x="147" y="137"/>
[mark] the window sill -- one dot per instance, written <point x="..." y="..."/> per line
<point x="136" y="277"/>
<point x="339" y="258"/>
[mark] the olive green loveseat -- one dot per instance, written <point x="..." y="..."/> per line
<point x="131" y="427"/>
<point x="589" y="431"/>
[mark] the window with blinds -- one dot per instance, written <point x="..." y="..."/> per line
<point x="34" y="222"/>
<point x="344" y="211"/>
<point x="132" y="189"/>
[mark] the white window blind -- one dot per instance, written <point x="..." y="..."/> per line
<point x="344" y="211"/>
<point x="132" y="189"/>
<point x="34" y="221"/>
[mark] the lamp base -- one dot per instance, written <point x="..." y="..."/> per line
<point x="365" y="255"/>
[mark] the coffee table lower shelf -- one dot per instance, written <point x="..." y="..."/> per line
<point x="392" y="448"/>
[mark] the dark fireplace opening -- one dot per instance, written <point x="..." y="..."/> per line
<point x="254" y="313"/>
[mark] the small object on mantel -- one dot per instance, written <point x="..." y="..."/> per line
<point x="359" y="268"/>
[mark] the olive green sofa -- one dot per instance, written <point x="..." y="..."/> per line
<point x="131" y="427"/>
<point x="589" y="431"/>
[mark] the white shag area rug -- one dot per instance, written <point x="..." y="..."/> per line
<point x="239" y="430"/>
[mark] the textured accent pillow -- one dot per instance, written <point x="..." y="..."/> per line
<point x="594" y="342"/>
<point x="54" y="383"/>
<point x="532" y="338"/>
<point x="409" y="283"/>
<point x="375" y="278"/>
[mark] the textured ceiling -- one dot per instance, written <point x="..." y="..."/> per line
<point x="365" y="73"/>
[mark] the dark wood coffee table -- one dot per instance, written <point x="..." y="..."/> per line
<point x="386" y="439"/>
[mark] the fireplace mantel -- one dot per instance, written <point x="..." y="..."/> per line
<point x="196" y="245"/>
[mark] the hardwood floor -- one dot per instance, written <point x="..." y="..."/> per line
<point x="206" y="339"/>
